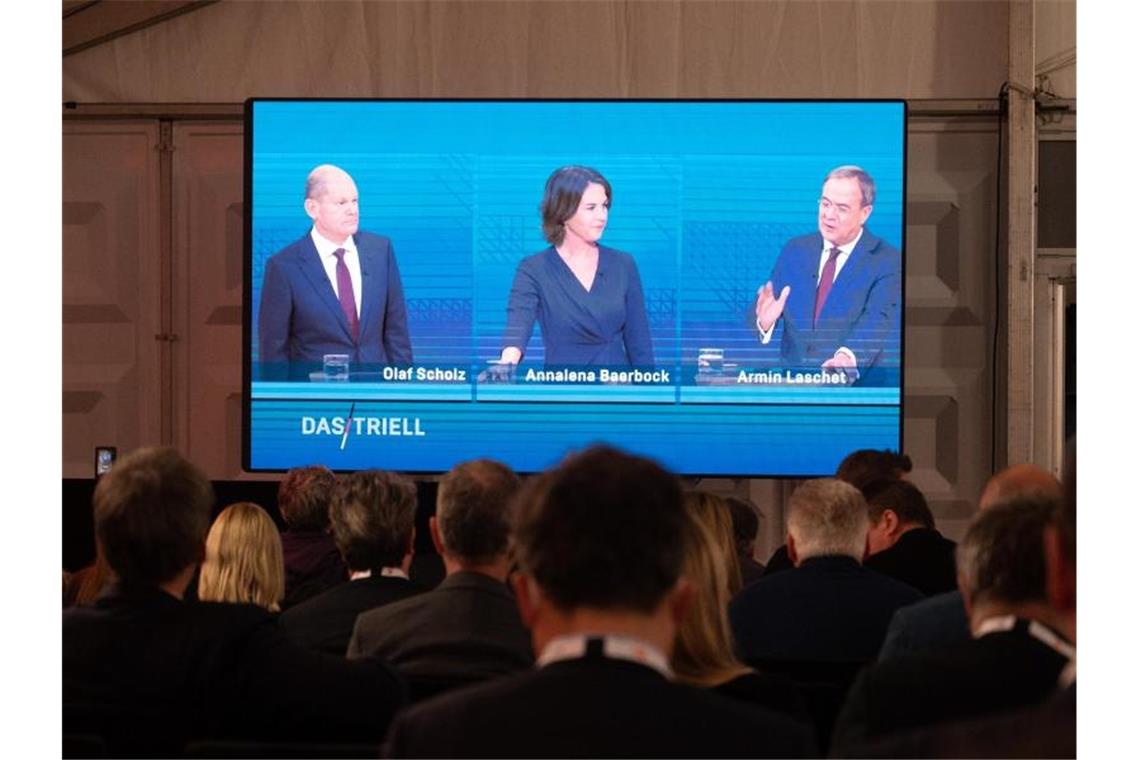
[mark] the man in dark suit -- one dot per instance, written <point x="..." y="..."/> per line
<point x="903" y="542"/>
<point x="149" y="672"/>
<point x="829" y="608"/>
<point x="941" y="620"/>
<point x="834" y="299"/>
<point x="599" y="547"/>
<point x="1015" y="658"/>
<point x="373" y="516"/>
<point x="335" y="291"/>
<point x="468" y="629"/>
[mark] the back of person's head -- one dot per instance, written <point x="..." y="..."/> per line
<point x="1001" y="559"/>
<point x="703" y="652"/>
<point x="712" y="511"/>
<point x="243" y="559"/>
<point x="745" y="524"/>
<point x="601" y="530"/>
<point x="1020" y="482"/>
<point x="902" y="498"/>
<point x="473" y="510"/>
<point x="303" y="497"/>
<point x="373" y="514"/>
<point x="868" y="465"/>
<point x="152" y="511"/>
<point x="828" y="517"/>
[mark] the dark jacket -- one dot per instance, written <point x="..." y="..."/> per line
<point x="921" y="558"/>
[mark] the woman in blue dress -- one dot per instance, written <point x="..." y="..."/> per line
<point x="587" y="298"/>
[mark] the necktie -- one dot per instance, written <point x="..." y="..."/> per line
<point x="825" y="281"/>
<point x="345" y="294"/>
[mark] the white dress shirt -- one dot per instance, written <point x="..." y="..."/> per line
<point x="326" y="249"/>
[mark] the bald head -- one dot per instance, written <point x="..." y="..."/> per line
<point x="1021" y="482"/>
<point x="319" y="179"/>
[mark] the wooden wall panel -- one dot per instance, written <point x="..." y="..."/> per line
<point x="207" y="296"/>
<point x="111" y="290"/>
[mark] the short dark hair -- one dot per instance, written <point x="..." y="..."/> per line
<point x="604" y="529"/>
<point x="862" y="467"/>
<point x="564" y="190"/>
<point x="152" y="511"/>
<point x="902" y="498"/>
<point x="303" y="497"/>
<point x="373" y="513"/>
<point x="745" y="522"/>
<point x="1002" y="555"/>
<point x="473" y="509"/>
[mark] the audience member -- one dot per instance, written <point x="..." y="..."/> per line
<point x="468" y="628"/>
<point x="941" y="619"/>
<point x="860" y="468"/>
<point x="745" y="527"/>
<point x="312" y="562"/>
<point x="243" y="559"/>
<point x="147" y="672"/>
<point x="703" y="654"/>
<point x="829" y="608"/>
<point x="863" y="467"/>
<point x="1047" y="729"/>
<point x="903" y="542"/>
<point x="373" y="522"/>
<point x="599" y="547"/>
<point x="1015" y="658"/>
<point x="712" y="511"/>
<point x="87" y="583"/>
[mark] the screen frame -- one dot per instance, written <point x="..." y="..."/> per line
<point x="247" y="252"/>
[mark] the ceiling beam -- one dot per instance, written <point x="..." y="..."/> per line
<point x="91" y="23"/>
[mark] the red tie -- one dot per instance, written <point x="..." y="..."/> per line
<point x="825" y="281"/>
<point x="345" y="294"/>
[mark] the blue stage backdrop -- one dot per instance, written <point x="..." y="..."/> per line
<point x="705" y="195"/>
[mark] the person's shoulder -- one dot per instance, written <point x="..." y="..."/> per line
<point x="617" y="256"/>
<point x="811" y="242"/>
<point x="393" y="613"/>
<point x="880" y="248"/>
<point x="293" y="250"/>
<point x="538" y="259"/>
<point x="315" y="605"/>
<point x="371" y="241"/>
<point x="888" y="587"/>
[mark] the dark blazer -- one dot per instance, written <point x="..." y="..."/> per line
<point x="863" y="309"/>
<point x="592" y="707"/>
<point x="149" y="672"/>
<point x="1046" y="729"/>
<point x="921" y="558"/>
<point x="324" y="623"/>
<point x="605" y="326"/>
<point x="300" y="318"/>
<point x="999" y="671"/>
<point x="933" y="623"/>
<point x="467" y="629"/>
<point x="828" y="609"/>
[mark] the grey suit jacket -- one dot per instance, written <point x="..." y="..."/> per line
<point x="468" y="628"/>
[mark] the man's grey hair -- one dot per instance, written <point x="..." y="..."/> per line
<point x="1002" y="556"/>
<point x="850" y="171"/>
<point x="828" y="517"/>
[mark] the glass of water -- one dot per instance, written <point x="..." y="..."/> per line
<point x="336" y="367"/>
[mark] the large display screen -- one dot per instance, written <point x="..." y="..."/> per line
<point x="714" y="284"/>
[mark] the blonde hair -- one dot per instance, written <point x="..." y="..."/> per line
<point x="703" y="654"/>
<point x="243" y="559"/>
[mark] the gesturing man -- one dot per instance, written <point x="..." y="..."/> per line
<point x="337" y="290"/>
<point x="834" y="298"/>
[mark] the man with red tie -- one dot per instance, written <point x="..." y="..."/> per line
<point x="834" y="300"/>
<point x="337" y="290"/>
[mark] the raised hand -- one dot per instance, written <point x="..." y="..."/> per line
<point x="768" y="307"/>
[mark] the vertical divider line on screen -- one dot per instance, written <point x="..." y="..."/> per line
<point x="347" y="426"/>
